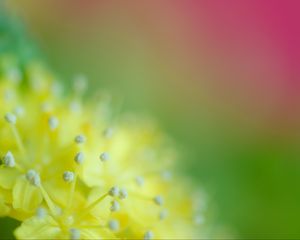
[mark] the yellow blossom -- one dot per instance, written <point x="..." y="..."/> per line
<point x="71" y="172"/>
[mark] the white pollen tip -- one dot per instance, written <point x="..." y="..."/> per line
<point x="75" y="107"/>
<point x="140" y="181"/>
<point x="79" y="158"/>
<point x="198" y="220"/>
<point x="104" y="156"/>
<point x="80" y="139"/>
<point x="53" y="123"/>
<point x="74" y="234"/>
<point x="9" y="160"/>
<point x="46" y="107"/>
<point x="108" y="132"/>
<point x="115" y="206"/>
<point x="33" y="178"/>
<point x="68" y="176"/>
<point x="114" y="225"/>
<point x="123" y="193"/>
<point x="163" y="214"/>
<point x="14" y="75"/>
<point x="19" y="111"/>
<point x="8" y="95"/>
<point x="41" y="212"/>
<point x="114" y="191"/>
<point x="80" y="83"/>
<point x="10" y="118"/>
<point x="158" y="200"/>
<point x="148" y="235"/>
<point x="166" y="175"/>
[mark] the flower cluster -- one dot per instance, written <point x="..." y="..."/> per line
<point x="69" y="171"/>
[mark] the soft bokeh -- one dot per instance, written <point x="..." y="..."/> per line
<point x="221" y="76"/>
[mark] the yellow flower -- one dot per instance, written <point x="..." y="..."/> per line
<point x="69" y="171"/>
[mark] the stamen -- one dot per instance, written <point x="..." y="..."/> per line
<point x="166" y="175"/>
<point x="80" y="83"/>
<point x="123" y="193"/>
<point x="9" y="95"/>
<point x="79" y="158"/>
<point x="163" y="214"/>
<point x="80" y="139"/>
<point x="9" y="160"/>
<point x="198" y="219"/>
<point x="19" y="111"/>
<point x="33" y="178"/>
<point x="68" y="220"/>
<point x="140" y="181"/>
<point x="114" y="225"/>
<point x="104" y="157"/>
<point x="46" y="107"/>
<point x="53" y="209"/>
<point x="115" y="206"/>
<point x="114" y="191"/>
<point x="10" y="118"/>
<point x="53" y="123"/>
<point x="72" y="190"/>
<point x="57" y="88"/>
<point x="148" y="235"/>
<point x="68" y="176"/>
<point x="158" y="200"/>
<point x="93" y="204"/>
<point x="75" y="106"/>
<point x="107" y="133"/>
<point x="74" y="234"/>
<point x="41" y="212"/>
<point x="14" y="75"/>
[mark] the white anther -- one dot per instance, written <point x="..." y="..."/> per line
<point x="104" y="156"/>
<point x="114" y="225"/>
<point x="10" y="118"/>
<point x="158" y="200"/>
<point x="36" y="82"/>
<point x="68" y="220"/>
<point x="80" y="139"/>
<point x="19" y="111"/>
<point x="166" y="175"/>
<point x="58" y="211"/>
<point x="8" y="95"/>
<point x="53" y="123"/>
<point x="114" y="191"/>
<point x="123" y="193"/>
<point x="79" y="158"/>
<point x="108" y="132"/>
<point x="9" y="160"/>
<point x="198" y="220"/>
<point x="140" y="181"/>
<point x="33" y="177"/>
<point x="14" y="75"/>
<point x="68" y="176"/>
<point x="115" y="206"/>
<point x="75" y="107"/>
<point x="163" y="214"/>
<point x="57" y="88"/>
<point x="41" y="212"/>
<point x="80" y="83"/>
<point x="46" y="107"/>
<point x="74" y="234"/>
<point x="148" y="235"/>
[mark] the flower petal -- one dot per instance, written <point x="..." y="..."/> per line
<point x="37" y="228"/>
<point x="25" y="196"/>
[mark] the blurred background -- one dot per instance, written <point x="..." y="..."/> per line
<point x="221" y="77"/>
